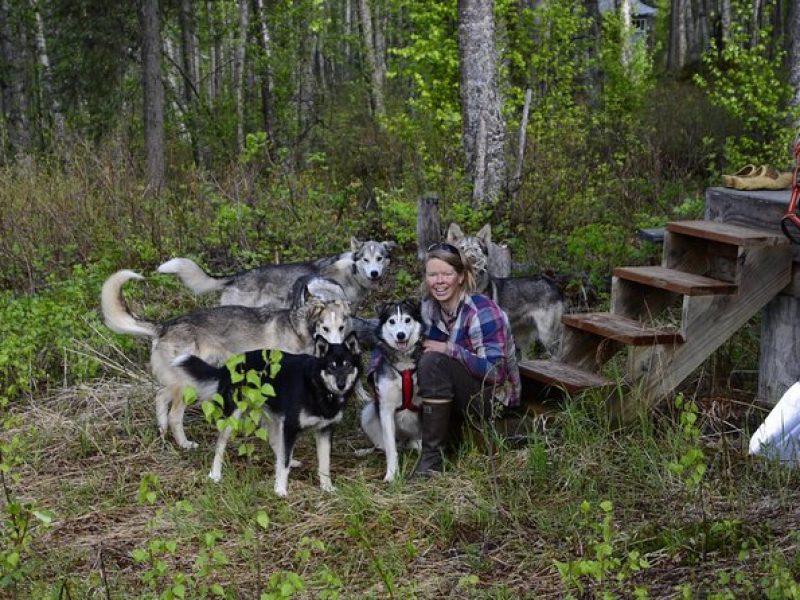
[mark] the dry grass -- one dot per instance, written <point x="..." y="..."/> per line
<point x="503" y="518"/>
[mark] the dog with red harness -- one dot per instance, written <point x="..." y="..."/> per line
<point x="392" y="418"/>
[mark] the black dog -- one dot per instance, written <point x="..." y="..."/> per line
<point x="310" y="393"/>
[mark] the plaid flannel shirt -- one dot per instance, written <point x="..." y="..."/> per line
<point x="481" y="340"/>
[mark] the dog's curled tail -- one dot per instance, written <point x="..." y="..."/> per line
<point x="209" y="379"/>
<point x="192" y="276"/>
<point x="116" y="313"/>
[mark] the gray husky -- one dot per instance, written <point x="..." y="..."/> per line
<point x="392" y="414"/>
<point x="534" y="305"/>
<point x="357" y="272"/>
<point x="214" y="334"/>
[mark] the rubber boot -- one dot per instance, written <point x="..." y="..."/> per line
<point x="435" y="426"/>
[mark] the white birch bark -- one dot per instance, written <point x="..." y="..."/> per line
<point x="49" y="98"/>
<point x="267" y="81"/>
<point x="794" y="59"/>
<point x="238" y="70"/>
<point x="368" y="44"/>
<point x="481" y="104"/>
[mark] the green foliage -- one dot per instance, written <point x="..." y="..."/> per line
<point x="22" y="519"/>
<point x="607" y="565"/>
<point x="744" y="79"/>
<point x="690" y="466"/>
<point x="45" y="337"/>
<point x="252" y="390"/>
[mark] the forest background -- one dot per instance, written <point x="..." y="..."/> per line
<point x="242" y="133"/>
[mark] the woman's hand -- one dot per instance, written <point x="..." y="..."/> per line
<point x="434" y="346"/>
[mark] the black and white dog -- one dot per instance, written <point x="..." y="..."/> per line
<point x="392" y="416"/>
<point x="310" y="393"/>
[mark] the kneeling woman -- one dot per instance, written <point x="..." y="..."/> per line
<point x="469" y="358"/>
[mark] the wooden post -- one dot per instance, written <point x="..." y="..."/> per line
<point x="429" y="229"/>
<point x="499" y="260"/>
<point x="779" y="355"/>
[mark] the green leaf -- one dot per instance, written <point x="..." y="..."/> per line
<point x="262" y="518"/>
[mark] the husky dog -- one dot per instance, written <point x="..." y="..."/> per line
<point x="534" y="304"/>
<point x="214" y="334"/>
<point x="316" y="286"/>
<point x="269" y="286"/>
<point x="393" y="415"/>
<point x="310" y="393"/>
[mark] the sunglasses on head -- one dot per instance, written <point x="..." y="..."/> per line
<point x="443" y="246"/>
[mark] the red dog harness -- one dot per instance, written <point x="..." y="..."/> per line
<point x="791" y="220"/>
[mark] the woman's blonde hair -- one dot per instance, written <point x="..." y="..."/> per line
<point x="451" y="255"/>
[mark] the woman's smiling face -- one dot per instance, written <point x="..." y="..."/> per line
<point x="443" y="281"/>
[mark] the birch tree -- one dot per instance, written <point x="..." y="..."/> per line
<point x="49" y="98"/>
<point x="481" y="103"/>
<point x="794" y="62"/>
<point x="238" y="70"/>
<point x="267" y="81"/>
<point x="371" y="62"/>
<point x="153" y="90"/>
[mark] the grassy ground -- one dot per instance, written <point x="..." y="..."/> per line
<point x="577" y="507"/>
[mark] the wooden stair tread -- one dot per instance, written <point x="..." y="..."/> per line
<point x="563" y="375"/>
<point x="622" y="329"/>
<point x="675" y="281"/>
<point x="728" y="234"/>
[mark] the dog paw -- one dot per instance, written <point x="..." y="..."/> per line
<point x="295" y="464"/>
<point x="280" y="491"/>
<point x="215" y="476"/>
<point x="364" y="451"/>
<point x="389" y="477"/>
<point x="189" y="445"/>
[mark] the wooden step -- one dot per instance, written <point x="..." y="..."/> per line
<point x="567" y="377"/>
<point x="622" y="329"/>
<point x="728" y="234"/>
<point x="675" y="281"/>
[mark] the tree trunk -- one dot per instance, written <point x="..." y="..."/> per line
<point x="49" y="98"/>
<point x="153" y="95"/>
<point x="481" y="104"/>
<point x="794" y="58"/>
<point x="238" y="71"/>
<point x="627" y="34"/>
<point x="429" y="229"/>
<point x="215" y="53"/>
<point x="368" y="43"/>
<point x="15" y="97"/>
<point x="267" y="81"/>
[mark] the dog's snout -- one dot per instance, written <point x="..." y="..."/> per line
<point x="374" y="274"/>
<point x="401" y="335"/>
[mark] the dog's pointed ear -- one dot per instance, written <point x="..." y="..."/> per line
<point x="454" y="233"/>
<point x="485" y="234"/>
<point x="389" y="245"/>
<point x="307" y="295"/>
<point x="379" y="308"/>
<point x="351" y="343"/>
<point x="355" y="245"/>
<point x="320" y="346"/>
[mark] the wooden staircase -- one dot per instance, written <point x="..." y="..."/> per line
<point x="713" y="278"/>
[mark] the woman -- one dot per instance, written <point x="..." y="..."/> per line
<point x="469" y="356"/>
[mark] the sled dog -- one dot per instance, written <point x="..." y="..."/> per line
<point x="392" y="415"/>
<point x="214" y="334"/>
<point x="357" y="272"/>
<point x="310" y="393"/>
<point x="534" y="305"/>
